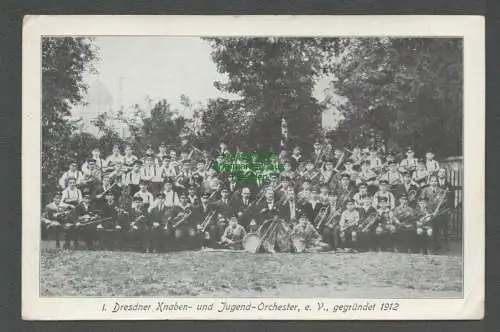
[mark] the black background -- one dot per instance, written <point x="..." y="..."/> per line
<point x="11" y="13"/>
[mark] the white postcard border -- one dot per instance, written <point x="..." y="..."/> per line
<point x="471" y="28"/>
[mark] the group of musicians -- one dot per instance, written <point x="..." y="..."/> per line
<point x="336" y="199"/>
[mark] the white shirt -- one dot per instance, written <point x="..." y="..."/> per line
<point x="63" y="181"/>
<point x="146" y="196"/>
<point x="71" y="195"/>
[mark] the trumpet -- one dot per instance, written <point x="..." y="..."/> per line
<point x="320" y="217"/>
<point x="203" y="226"/>
<point x="182" y="217"/>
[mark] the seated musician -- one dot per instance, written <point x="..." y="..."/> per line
<point x="431" y="165"/>
<point x="410" y="163"/>
<point x="310" y="172"/>
<point x="392" y="175"/>
<point x="384" y="193"/>
<point x="438" y="200"/>
<point x="183" y="224"/>
<point x="304" y="194"/>
<point x="193" y="198"/>
<point x="233" y="235"/>
<point x="344" y="190"/>
<point x="368" y="176"/>
<point x="114" y="159"/>
<point x="348" y="226"/>
<point x="327" y="173"/>
<point x="71" y="195"/>
<point x="158" y="213"/>
<point x="312" y="208"/>
<point x="424" y="228"/>
<point x="129" y="158"/>
<point x="375" y="161"/>
<point x="108" y="184"/>
<point x="133" y="177"/>
<point x="324" y="194"/>
<point x="146" y="197"/>
<point x="405" y="214"/>
<point x="171" y="197"/>
<point x="386" y="227"/>
<point x="54" y="216"/>
<point x="349" y="169"/>
<point x="361" y="196"/>
<point x="305" y="237"/>
<point x="84" y="228"/>
<point x="368" y="224"/>
<point x="92" y="178"/>
<point x="139" y="228"/>
<point x="150" y="173"/>
<point x="242" y="207"/>
<point x="296" y="157"/>
<point x="267" y="208"/>
<point x="162" y="152"/>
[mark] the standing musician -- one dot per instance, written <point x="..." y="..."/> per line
<point x="295" y="158"/>
<point x="267" y="208"/>
<point x="162" y="152"/>
<point x="139" y="234"/>
<point x="361" y="196"/>
<point x="205" y="210"/>
<point x="233" y="235"/>
<point x="407" y="188"/>
<point x="327" y="173"/>
<point x="54" y="216"/>
<point x="129" y="158"/>
<point x="224" y="204"/>
<point x="312" y="208"/>
<point x="171" y="197"/>
<point x="71" y="173"/>
<point x="386" y="226"/>
<point x="92" y="178"/>
<point x="193" y="198"/>
<point x="160" y="230"/>
<point x="114" y="160"/>
<point x="410" y="163"/>
<point x="367" y="176"/>
<point x="436" y="200"/>
<point x="368" y="224"/>
<point x="406" y="232"/>
<point x="133" y="178"/>
<point x="423" y="226"/>
<point x="242" y="207"/>
<point x="71" y="195"/>
<point x="182" y="223"/>
<point x="392" y="175"/>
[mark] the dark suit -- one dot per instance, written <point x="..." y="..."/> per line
<point x="286" y="211"/>
<point x="311" y="211"/>
<point x="246" y="210"/>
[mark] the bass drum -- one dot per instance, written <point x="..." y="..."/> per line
<point x="252" y="242"/>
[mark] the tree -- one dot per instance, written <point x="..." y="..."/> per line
<point x="64" y="61"/>
<point x="407" y="90"/>
<point x="154" y="126"/>
<point x="274" y="77"/>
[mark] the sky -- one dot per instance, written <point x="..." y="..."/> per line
<point x="154" y="66"/>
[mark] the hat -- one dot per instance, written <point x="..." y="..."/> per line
<point x="138" y="162"/>
<point x="383" y="181"/>
<point x="429" y="152"/>
<point x="137" y="199"/>
<point x="162" y="144"/>
<point x="144" y="182"/>
<point x="205" y="195"/>
<point x="57" y="193"/>
<point x="409" y="150"/>
<point x="362" y="184"/>
<point x="160" y="195"/>
<point x="183" y="195"/>
<point x="345" y="175"/>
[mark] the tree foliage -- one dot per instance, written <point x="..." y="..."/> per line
<point x="64" y="61"/>
<point x="408" y="91"/>
<point x="274" y="77"/>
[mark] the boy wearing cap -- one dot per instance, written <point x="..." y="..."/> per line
<point x="405" y="214"/>
<point x="361" y="195"/>
<point x="424" y="228"/>
<point x="114" y="159"/>
<point x="139" y="225"/>
<point x="159" y="215"/>
<point x="133" y="178"/>
<point x="348" y="226"/>
<point x="71" y="195"/>
<point x="313" y="206"/>
<point x="420" y="175"/>
<point x="431" y="164"/>
<point x="146" y="197"/>
<point x="100" y="163"/>
<point x="392" y="176"/>
<point x="53" y="217"/>
<point x="344" y="190"/>
<point x="409" y="164"/>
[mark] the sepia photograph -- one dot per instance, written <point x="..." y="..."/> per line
<point x="250" y="167"/>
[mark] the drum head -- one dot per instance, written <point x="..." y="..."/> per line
<point x="251" y="242"/>
<point x="299" y="245"/>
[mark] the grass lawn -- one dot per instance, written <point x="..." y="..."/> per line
<point x="241" y="274"/>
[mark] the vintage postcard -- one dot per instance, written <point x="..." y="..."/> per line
<point x="253" y="167"/>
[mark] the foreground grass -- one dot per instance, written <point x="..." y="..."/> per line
<point x="241" y="274"/>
